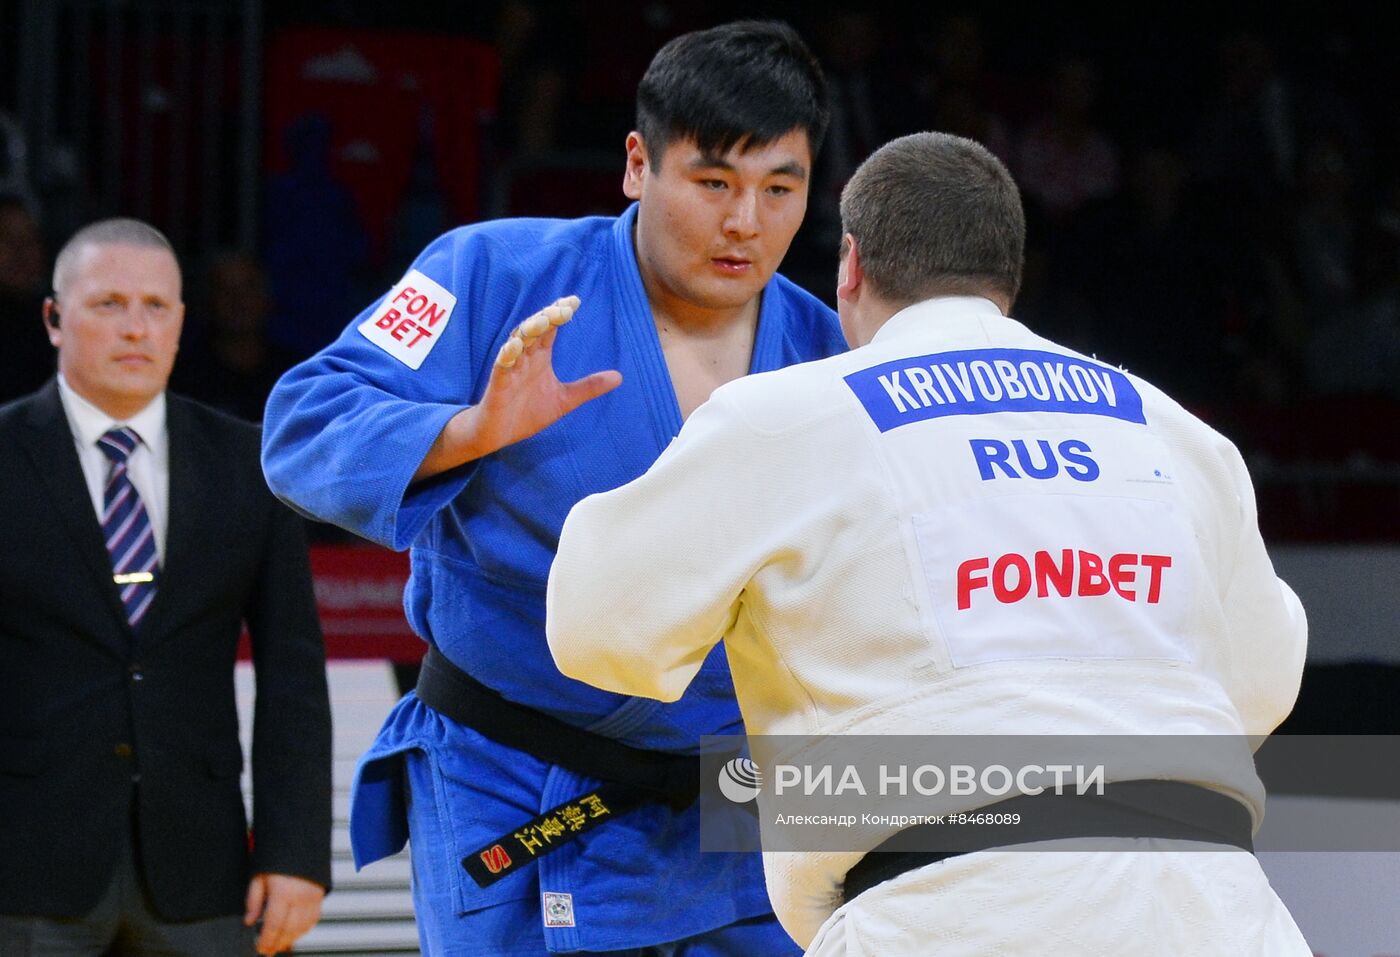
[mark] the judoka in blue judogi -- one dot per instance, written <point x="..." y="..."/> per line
<point x="406" y="429"/>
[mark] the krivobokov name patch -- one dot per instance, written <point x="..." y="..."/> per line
<point x="979" y="381"/>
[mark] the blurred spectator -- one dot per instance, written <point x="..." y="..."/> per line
<point x="27" y="360"/>
<point x="1278" y="162"/>
<point x="603" y="56"/>
<point x="1064" y="160"/>
<point x="535" y="60"/>
<point x="228" y="362"/>
<point x="868" y="106"/>
<point x="848" y="44"/>
<point x="422" y="215"/>
<point x="14" y="158"/>
<point x="1252" y="141"/>
<point x="1354" y="346"/>
<point x="1244" y="158"/>
<point x="1325" y="228"/>
<point x="1067" y="168"/>
<point x="1249" y="137"/>
<point x="1159" y="308"/>
<point x="315" y="243"/>
<point x="961" y="96"/>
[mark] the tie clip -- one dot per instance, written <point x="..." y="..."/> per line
<point x="134" y="578"/>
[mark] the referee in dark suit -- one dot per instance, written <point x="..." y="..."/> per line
<point x="137" y="537"/>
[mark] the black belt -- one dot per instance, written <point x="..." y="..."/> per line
<point x="1170" y="810"/>
<point x="632" y="776"/>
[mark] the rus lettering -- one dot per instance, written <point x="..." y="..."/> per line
<point x="994" y="456"/>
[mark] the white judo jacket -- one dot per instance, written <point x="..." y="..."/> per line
<point x="959" y="528"/>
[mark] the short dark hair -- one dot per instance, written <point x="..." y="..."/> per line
<point x="936" y="214"/>
<point x="107" y="232"/>
<point x="745" y="83"/>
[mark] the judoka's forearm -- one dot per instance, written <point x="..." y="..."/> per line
<point x="459" y="442"/>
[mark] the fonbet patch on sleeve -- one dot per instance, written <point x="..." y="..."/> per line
<point x="411" y="319"/>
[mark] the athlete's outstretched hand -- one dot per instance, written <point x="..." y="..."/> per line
<point x="522" y="396"/>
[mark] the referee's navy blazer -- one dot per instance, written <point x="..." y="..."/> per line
<point x="93" y="715"/>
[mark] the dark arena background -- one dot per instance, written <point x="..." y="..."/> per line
<point x="1214" y="203"/>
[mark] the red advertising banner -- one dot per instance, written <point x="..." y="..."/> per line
<point x="359" y="597"/>
<point x="359" y="594"/>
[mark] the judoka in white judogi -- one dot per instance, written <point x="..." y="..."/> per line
<point x="958" y="528"/>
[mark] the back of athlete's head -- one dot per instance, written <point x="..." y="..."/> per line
<point x="741" y="84"/>
<point x="936" y="215"/>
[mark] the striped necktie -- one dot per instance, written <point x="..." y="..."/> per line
<point x="127" y="528"/>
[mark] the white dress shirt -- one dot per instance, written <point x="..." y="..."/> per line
<point x="148" y="465"/>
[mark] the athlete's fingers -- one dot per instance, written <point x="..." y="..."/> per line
<point x="555" y="314"/>
<point x="566" y="308"/>
<point x="510" y="352"/>
<point x="576" y="393"/>
<point x="537" y="325"/>
<point x="537" y="328"/>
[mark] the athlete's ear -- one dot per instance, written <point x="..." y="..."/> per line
<point x="638" y="164"/>
<point x="850" y="276"/>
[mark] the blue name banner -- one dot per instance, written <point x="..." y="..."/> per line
<point x="979" y="381"/>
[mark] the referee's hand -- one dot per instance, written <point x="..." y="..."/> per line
<point x="288" y="907"/>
